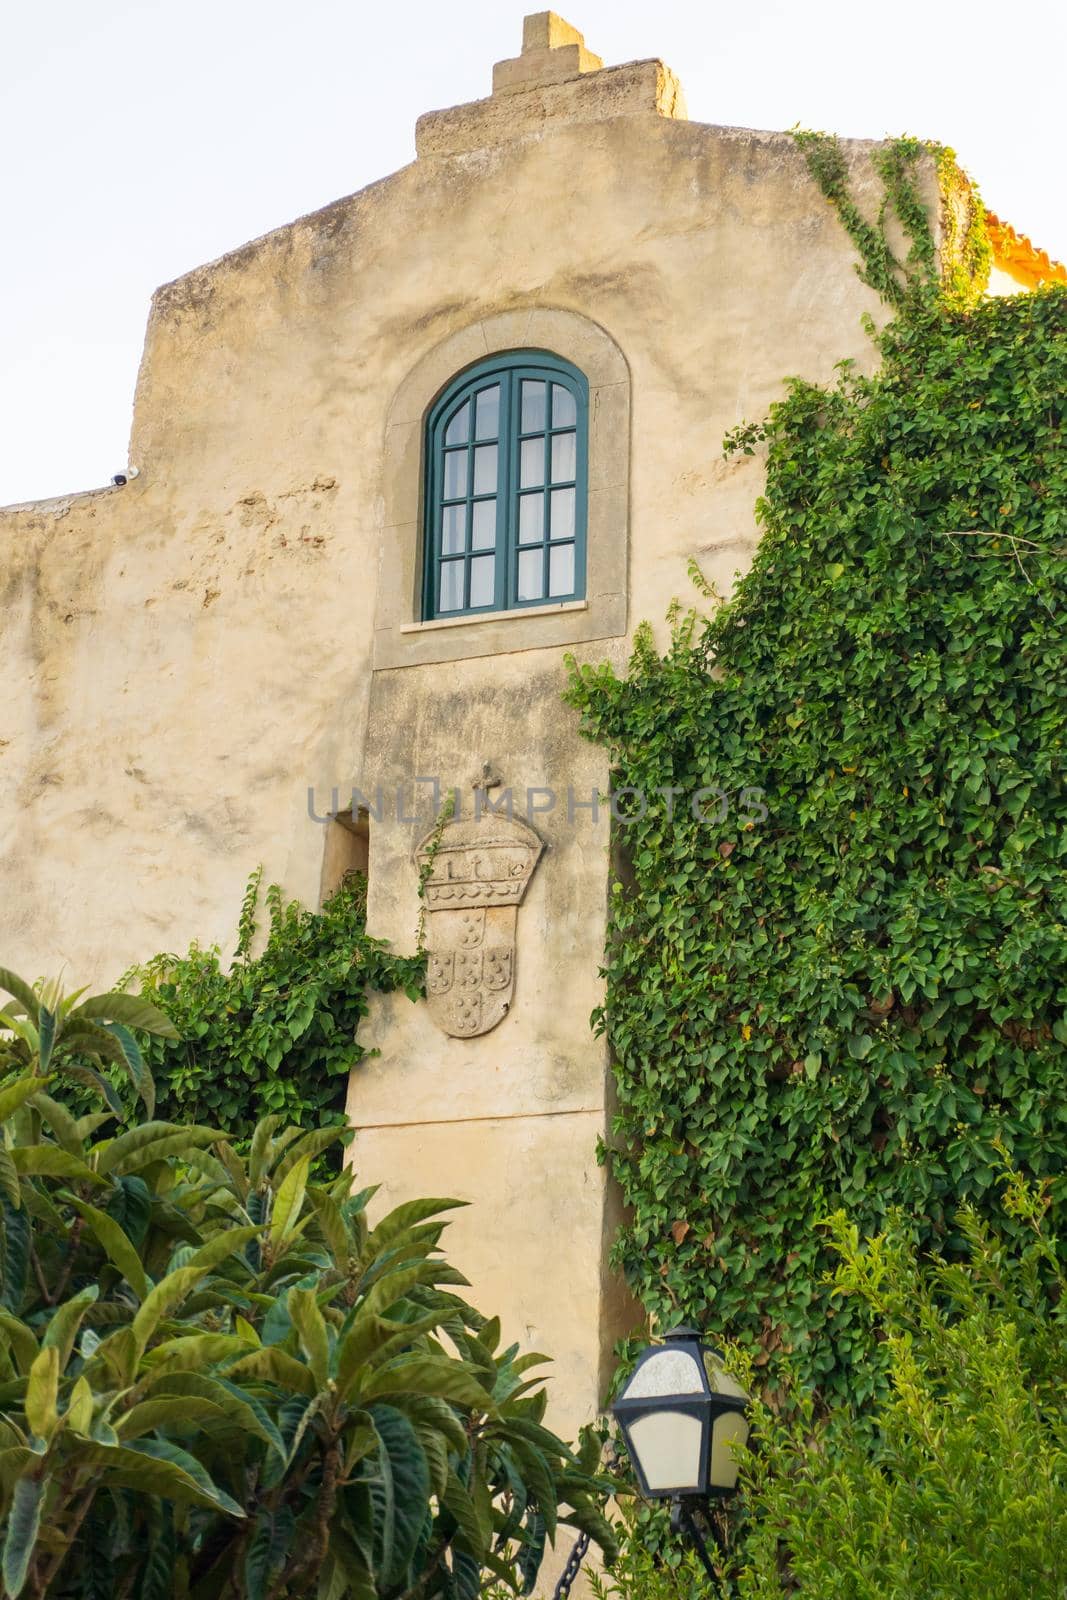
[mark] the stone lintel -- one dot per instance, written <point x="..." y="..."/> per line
<point x="641" y="88"/>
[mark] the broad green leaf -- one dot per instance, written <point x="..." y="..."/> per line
<point x="159" y="1576"/>
<point x="274" y="1366"/>
<point x="223" y="1245"/>
<point x="427" y="1375"/>
<point x="402" y="1217"/>
<point x="16" y="1094"/>
<point x="309" y="1323"/>
<point x="263" y="1557"/>
<point x="331" y="1224"/>
<point x="49" y="1161"/>
<point x="310" y="1145"/>
<point x="46" y="1035"/>
<point x="120" y="1252"/>
<point x="9" y="1179"/>
<point x="400" y="1493"/>
<point x="139" y="1074"/>
<point x="61" y="1123"/>
<point x="259" y="1151"/>
<point x="240" y="1408"/>
<point x="359" y="1581"/>
<point x="23" y="1342"/>
<point x="93" y="1080"/>
<point x="471" y="1536"/>
<point x="160" y="1301"/>
<point x="427" y="1412"/>
<point x="80" y="1406"/>
<point x="118" y="1154"/>
<point x="23" y="1525"/>
<point x="41" y="1393"/>
<point x="155" y="1466"/>
<point x="62" y="1329"/>
<point x="12" y="984"/>
<point x="165" y="1412"/>
<point x="287" y="1203"/>
<point x="129" y="1009"/>
<point x="192" y="1352"/>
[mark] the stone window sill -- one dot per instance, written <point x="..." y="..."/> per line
<point x="493" y="616"/>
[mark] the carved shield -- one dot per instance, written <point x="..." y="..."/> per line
<point x="479" y="869"/>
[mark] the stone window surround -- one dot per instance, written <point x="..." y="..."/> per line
<point x="400" y="638"/>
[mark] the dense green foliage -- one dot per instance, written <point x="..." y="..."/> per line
<point x="89" y="1041"/>
<point x="218" y="1379"/>
<point x="957" y="1485"/>
<point x="275" y="1033"/>
<point x="845" y="1004"/>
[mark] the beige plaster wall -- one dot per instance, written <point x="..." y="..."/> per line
<point x="183" y="657"/>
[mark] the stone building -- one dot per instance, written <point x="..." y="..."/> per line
<point x="394" y="461"/>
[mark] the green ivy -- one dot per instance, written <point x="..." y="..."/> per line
<point x="275" y="1032"/>
<point x="844" y="1005"/>
<point x="919" y="279"/>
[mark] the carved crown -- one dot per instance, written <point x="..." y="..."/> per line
<point x="478" y="861"/>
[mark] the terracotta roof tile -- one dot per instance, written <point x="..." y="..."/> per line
<point x="1016" y="255"/>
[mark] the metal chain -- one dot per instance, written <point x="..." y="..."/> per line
<point x="570" y="1571"/>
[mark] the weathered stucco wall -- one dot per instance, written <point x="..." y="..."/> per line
<point x="183" y="657"/>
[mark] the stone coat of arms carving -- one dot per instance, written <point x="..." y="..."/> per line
<point x="478" y="877"/>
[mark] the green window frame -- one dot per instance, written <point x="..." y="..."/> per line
<point x="506" y="487"/>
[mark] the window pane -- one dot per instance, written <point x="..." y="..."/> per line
<point x="564" y="457"/>
<point x="451" y="586"/>
<point x="459" y="429"/>
<point x="483" y="530"/>
<point x="531" y="518"/>
<point x="533" y="406"/>
<point x="487" y="413"/>
<point x="482" y="580"/>
<point x="561" y="569"/>
<point x="453" y="529"/>
<point x="562" y="514"/>
<point x="485" y="469"/>
<point x="532" y="463"/>
<point x="531" y="585"/>
<point x="564" y="411"/>
<point x="455" y="474"/>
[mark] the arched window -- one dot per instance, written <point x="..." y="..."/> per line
<point x="506" y="487"/>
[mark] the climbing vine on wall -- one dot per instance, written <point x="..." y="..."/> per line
<point x="844" y="1005"/>
<point x="276" y="1031"/>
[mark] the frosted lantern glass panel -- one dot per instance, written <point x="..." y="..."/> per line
<point x="459" y="429"/>
<point x="483" y="528"/>
<point x="485" y="469"/>
<point x="487" y="413"/>
<point x="531" y="518"/>
<point x="728" y="1438"/>
<point x="720" y="1380"/>
<point x="453" y="529"/>
<point x="482" y="580"/>
<point x="564" y="411"/>
<point x="564" y="457"/>
<point x="667" y="1372"/>
<point x="533" y="407"/>
<point x="667" y="1444"/>
<point x="455" y="474"/>
<point x="532" y="463"/>
<point x="451" y="598"/>
<point x="531" y="567"/>
<point x="561" y="570"/>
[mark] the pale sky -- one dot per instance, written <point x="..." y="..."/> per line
<point x="141" y="139"/>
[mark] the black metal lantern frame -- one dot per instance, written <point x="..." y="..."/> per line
<point x="707" y="1406"/>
